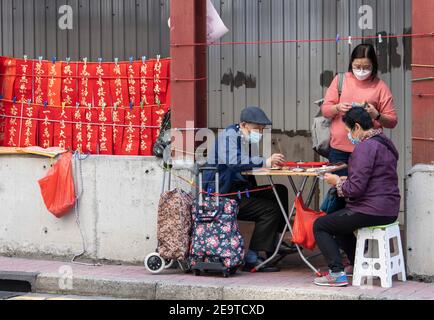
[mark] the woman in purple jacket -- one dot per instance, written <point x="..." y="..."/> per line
<point x="371" y="191"/>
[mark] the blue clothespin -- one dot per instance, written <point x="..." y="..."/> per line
<point x="247" y="194"/>
<point x="29" y="102"/>
<point x="54" y="60"/>
<point x="338" y="38"/>
<point x="143" y="59"/>
<point x="14" y="100"/>
<point x="239" y="194"/>
<point x="77" y="104"/>
<point x="131" y="106"/>
<point x="45" y="104"/>
<point x="131" y="59"/>
<point x="99" y="60"/>
<point x="1" y="97"/>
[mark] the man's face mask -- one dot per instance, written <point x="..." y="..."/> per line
<point x="255" y="136"/>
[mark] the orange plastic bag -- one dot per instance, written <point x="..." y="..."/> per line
<point x="303" y="224"/>
<point x="57" y="187"/>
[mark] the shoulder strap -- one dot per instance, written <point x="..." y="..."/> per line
<point x="381" y="140"/>
<point x="341" y="78"/>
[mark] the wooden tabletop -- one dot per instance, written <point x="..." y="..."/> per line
<point x="288" y="172"/>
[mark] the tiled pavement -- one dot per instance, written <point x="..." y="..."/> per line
<point x="293" y="282"/>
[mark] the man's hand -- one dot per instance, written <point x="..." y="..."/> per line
<point x="331" y="179"/>
<point x="275" y="160"/>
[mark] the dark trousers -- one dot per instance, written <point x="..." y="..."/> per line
<point x="263" y="209"/>
<point x="336" y="156"/>
<point x="337" y="230"/>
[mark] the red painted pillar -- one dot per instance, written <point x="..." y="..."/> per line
<point x="423" y="106"/>
<point x="188" y="26"/>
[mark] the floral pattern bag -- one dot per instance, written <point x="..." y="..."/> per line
<point x="215" y="233"/>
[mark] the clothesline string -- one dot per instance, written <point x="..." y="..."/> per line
<point x="337" y="39"/>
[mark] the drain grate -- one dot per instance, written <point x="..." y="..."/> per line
<point x="17" y="281"/>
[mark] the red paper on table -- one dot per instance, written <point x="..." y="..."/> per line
<point x="101" y="86"/>
<point x="23" y="81"/>
<point x="119" y="85"/>
<point x="46" y="127"/>
<point x="147" y="82"/>
<point x="118" y="116"/>
<point x="91" y="145"/>
<point x="145" y="133"/>
<point x="14" y="124"/>
<point x="79" y="129"/>
<point x="29" y="126"/>
<point x="133" y="72"/>
<point x="69" y="83"/>
<point x="84" y="85"/>
<point x="131" y="139"/>
<point x="41" y="82"/>
<point x="105" y="135"/>
<point x="54" y="83"/>
<point x="62" y="136"/>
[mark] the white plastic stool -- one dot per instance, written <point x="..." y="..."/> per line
<point x="379" y="261"/>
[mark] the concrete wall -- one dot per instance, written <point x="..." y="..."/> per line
<point x="117" y="210"/>
<point x="420" y="220"/>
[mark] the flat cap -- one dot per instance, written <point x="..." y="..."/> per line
<point x="255" y="115"/>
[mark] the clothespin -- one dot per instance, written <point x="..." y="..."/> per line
<point x="116" y="61"/>
<point x="247" y="194"/>
<point x="85" y="61"/>
<point x="68" y="60"/>
<point x="25" y="58"/>
<point x="54" y="60"/>
<point x="239" y="194"/>
<point x="142" y="104"/>
<point x="208" y="192"/>
<point x="63" y="105"/>
<point x="158" y="57"/>
<point x="45" y="104"/>
<point x="103" y="106"/>
<point x="29" y="102"/>
<point x="350" y="40"/>
<point x="131" y="59"/>
<point x="131" y="106"/>
<point x="143" y="59"/>
<point x="1" y="97"/>
<point x="99" y="60"/>
<point x="14" y="99"/>
<point x="77" y="104"/>
<point x="380" y="38"/>
<point x="40" y="59"/>
<point x="338" y="38"/>
<point x="115" y="106"/>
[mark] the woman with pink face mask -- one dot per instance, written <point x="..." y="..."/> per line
<point x="361" y="87"/>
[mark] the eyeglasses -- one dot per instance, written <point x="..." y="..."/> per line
<point x="365" y="68"/>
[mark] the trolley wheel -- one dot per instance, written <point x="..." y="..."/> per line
<point x="225" y="275"/>
<point x="233" y="270"/>
<point x="154" y="263"/>
<point x="197" y="272"/>
<point x="168" y="263"/>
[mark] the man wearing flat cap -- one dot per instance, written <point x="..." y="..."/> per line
<point x="237" y="150"/>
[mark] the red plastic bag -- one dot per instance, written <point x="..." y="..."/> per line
<point x="57" y="187"/>
<point x="303" y="224"/>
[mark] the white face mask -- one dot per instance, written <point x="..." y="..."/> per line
<point x="361" y="74"/>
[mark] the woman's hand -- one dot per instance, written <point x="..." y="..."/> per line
<point x="342" y="107"/>
<point x="373" y="112"/>
<point x="332" y="179"/>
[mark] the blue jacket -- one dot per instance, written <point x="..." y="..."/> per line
<point x="232" y="154"/>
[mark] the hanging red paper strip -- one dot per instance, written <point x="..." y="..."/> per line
<point x="91" y="145"/>
<point x="131" y="139"/>
<point x="101" y="86"/>
<point x="8" y="68"/>
<point x="69" y="84"/>
<point x="147" y="82"/>
<point x="85" y="88"/>
<point x="46" y="127"/>
<point x="118" y="116"/>
<point x="23" y="82"/>
<point x="133" y="71"/>
<point x="14" y="124"/>
<point x="41" y="82"/>
<point x="146" y="142"/>
<point x="62" y="136"/>
<point x="161" y="70"/>
<point x="105" y="136"/>
<point x="29" y="126"/>
<point x="119" y="86"/>
<point x="2" y="122"/>
<point x="54" y="83"/>
<point x="79" y="130"/>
